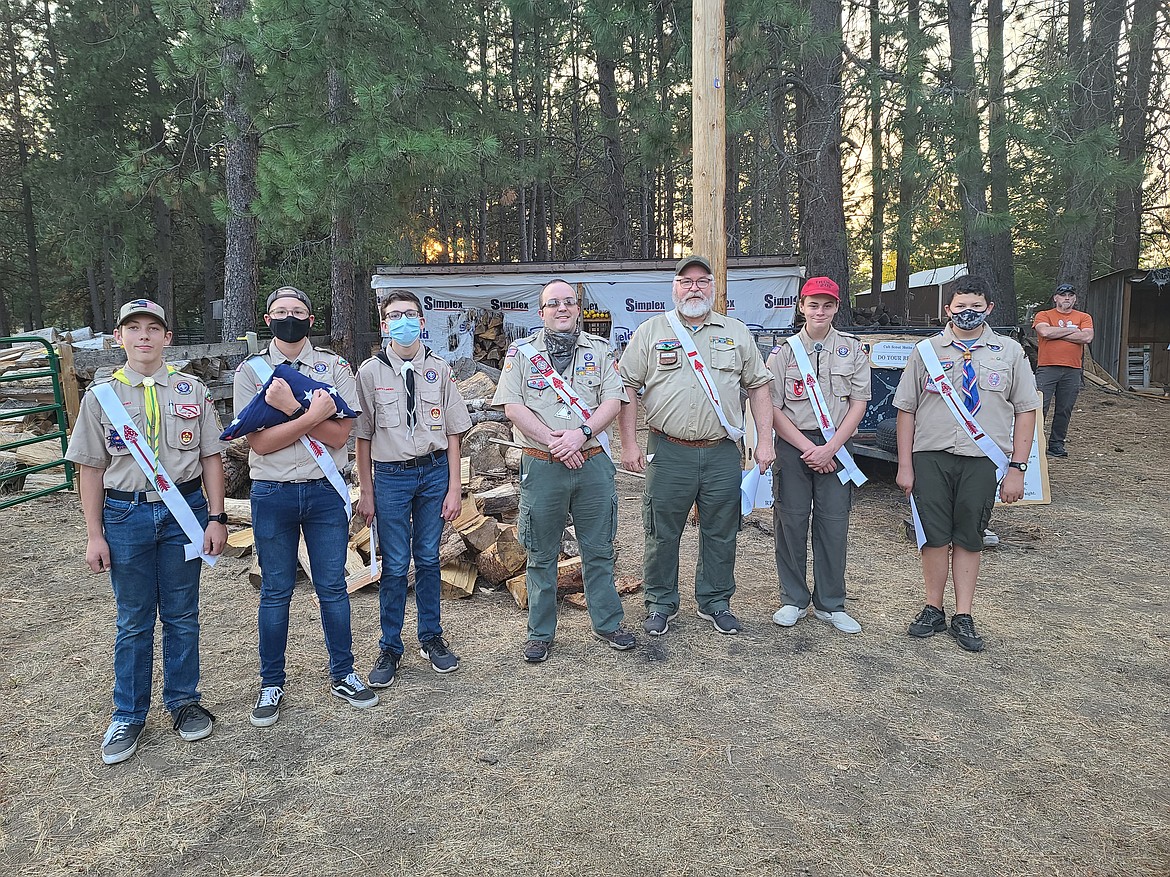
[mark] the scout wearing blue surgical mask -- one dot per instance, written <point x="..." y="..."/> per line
<point x="404" y="330"/>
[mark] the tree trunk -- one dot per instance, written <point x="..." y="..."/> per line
<point x="207" y="236"/>
<point x="907" y="175"/>
<point x="615" y="161"/>
<point x="1091" y="116"/>
<point x="970" y="177"/>
<point x="876" y="157"/>
<point x="1003" y="277"/>
<point x="818" y="138"/>
<point x="240" y="275"/>
<point x="97" y="320"/>
<point x="1135" y="110"/>
<point x="163" y="236"/>
<point x="35" y="312"/>
<point x="343" y="322"/>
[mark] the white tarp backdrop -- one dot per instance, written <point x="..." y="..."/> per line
<point x="763" y="298"/>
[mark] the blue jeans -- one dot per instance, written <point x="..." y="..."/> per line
<point x="150" y="578"/>
<point x="409" y="503"/>
<point x="280" y="510"/>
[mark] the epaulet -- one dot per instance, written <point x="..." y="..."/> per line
<point x="848" y="335"/>
<point x="325" y="350"/>
<point x="593" y="337"/>
<point x="104" y="379"/>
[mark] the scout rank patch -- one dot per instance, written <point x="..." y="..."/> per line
<point x="186" y="436"/>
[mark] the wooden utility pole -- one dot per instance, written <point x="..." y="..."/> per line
<point x="709" y="140"/>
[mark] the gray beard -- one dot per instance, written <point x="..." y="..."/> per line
<point x="693" y="309"/>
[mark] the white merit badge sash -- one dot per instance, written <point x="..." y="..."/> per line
<point x="155" y="474"/>
<point x="699" y="367"/>
<point x="565" y="391"/>
<point x="318" y="451"/>
<point x="946" y="389"/>
<point x="849" y="470"/>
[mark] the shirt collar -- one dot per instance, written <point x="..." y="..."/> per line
<point x="302" y="355"/>
<point x="713" y="318"/>
<point x="950" y="339"/>
<point x="162" y="376"/>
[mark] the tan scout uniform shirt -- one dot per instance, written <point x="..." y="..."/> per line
<point x="842" y="370"/>
<point x="1007" y="387"/>
<point x="189" y="430"/>
<point x="593" y="377"/>
<point x="676" y="403"/>
<point x="439" y="408"/>
<point x="295" y="463"/>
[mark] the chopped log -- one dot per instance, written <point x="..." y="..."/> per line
<point x="518" y="588"/>
<point x="500" y="500"/>
<point x="477" y="445"/>
<point x="452" y="548"/>
<point x="512" y="458"/>
<point x="482" y="534"/>
<point x="69" y="382"/>
<point x="625" y="585"/>
<point x="360" y="542"/>
<point x="362" y="579"/>
<point x="303" y="557"/>
<point x="240" y="543"/>
<point x="569" y="580"/>
<point x="469" y="513"/>
<point x="478" y="386"/>
<point x="464" y="472"/>
<point x="503" y="559"/>
<point x="254" y="573"/>
<point x="569" y="545"/>
<point x="457" y="581"/>
<point x="239" y="511"/>
<point x="237" y="479"/>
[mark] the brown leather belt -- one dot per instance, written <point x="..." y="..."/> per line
<point x="588" y="454"/>
<point x="701" y="443"/>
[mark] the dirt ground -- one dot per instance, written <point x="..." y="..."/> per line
<point x="780" y="751"/>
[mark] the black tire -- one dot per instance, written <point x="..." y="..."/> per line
<point x="886" y="435"/>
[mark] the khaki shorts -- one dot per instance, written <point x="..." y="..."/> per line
<point x="955" y="496"/>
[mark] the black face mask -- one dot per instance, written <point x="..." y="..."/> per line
<point x="290" y="329"/>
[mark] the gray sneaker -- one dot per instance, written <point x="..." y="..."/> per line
<point x="536" y="651"/>
<point x="267" y="709"/>
<point x="620" y="639"/>
<point x="193" y="722"/>
<point x="658" y="623"/>
<point x="354" y="692"/>
<point x="722" y="620"/>
<point x="385" y="669"/>
<point x="120" y="742"/>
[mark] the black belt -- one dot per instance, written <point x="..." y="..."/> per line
<point x="435" y="457"/>
<point x="186" y="488"/>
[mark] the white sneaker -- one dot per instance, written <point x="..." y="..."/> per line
<point x="840" y="620"/>
<point x="789" y="615"/>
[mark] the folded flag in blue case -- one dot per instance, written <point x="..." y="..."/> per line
<point x="258" y="414"/>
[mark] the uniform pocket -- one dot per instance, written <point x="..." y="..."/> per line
<point x="114" y="443"/>
<point x="387" y="413"/>
<point x="841" y="380"/>
<point x="613" y="520"/>
<point x="182" y="434"/>
<point x="725" y="359"/>
<point x="116" y="511"/>
<point x="647" y="515"/>
<point x="994" y="379"/>
<point x="524" y="527"/>
<point x="794" y="389"/>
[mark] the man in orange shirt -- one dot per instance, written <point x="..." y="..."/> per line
<point x="1061" y="333"/>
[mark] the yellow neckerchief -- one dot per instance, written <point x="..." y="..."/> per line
<point x="153" y="412"/>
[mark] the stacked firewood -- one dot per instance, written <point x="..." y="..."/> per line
<point x="491" y="341"/>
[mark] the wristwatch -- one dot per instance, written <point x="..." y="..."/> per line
<point x="221" y="518"/>
<point x="1023" y="467"/>
<point x="584" y="427"/>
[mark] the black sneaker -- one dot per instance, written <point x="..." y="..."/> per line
<point x="1057" y="451"/>
<point x="963" y="630"/>
<point x="193" y="722"/>
<point x="536" y="651"/>
<point x="658" y="623"/>
<point x="442" y="659"/>
<point x="930" y="620"/>
<point x="120" y="742"/>
<point x="354" y="692"/>
<point x="620" y="639"/>
<point x="385" y="669"/>
<point x="267" y="709"/>
<point x="723" y="621"/>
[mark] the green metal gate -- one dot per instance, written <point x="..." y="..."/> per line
<point x="61" y="434"/>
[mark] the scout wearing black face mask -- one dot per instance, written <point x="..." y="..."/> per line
<point x="290" y="329"/>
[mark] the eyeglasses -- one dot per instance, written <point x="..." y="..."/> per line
<point x="555" y="303"/>
<point x="689" y="283"/>
<point x="398" y="315"/>
<point x="281" y="313"/>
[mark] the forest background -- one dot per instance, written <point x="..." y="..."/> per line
<point x="214" y="149"/>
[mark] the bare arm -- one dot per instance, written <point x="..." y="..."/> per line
<point x="365" y="477"/>
<point x="905" y="434"/>
<point x="453" y="501"/>
<point x="215" y="536"/>
<point x="1011" y="488"/>
<point x="93" y="497"/>
<point x="633" y="459"/>
<point x="761" y="399"/>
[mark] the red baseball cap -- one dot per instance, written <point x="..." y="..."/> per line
<point x="820" y="286"/>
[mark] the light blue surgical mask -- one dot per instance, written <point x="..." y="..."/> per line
<point x="405" y="330"/>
